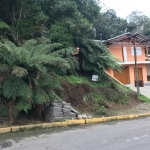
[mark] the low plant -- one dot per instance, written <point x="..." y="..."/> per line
<point x="144" y="98"/>
<point x="100" y="110"/>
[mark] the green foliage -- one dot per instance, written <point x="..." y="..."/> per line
<point x="74" y="79"/>
<point x="108" y="25"/>
<point x="40" y="96"/>
<point x="27" y="82"/>
<point x="100" y="110"/>
<point x="14" y="87"/>
<point x="60" y="33"/>
<point x="3" y="25"/>
<point x="144" y="98"/>
<point x="19" y="71"/>
<point x="23" y="105"/>
<point x="25" y="28"/>
<point x="97" y="58"/>
<point x="3" y="110"/>
<point x="98" y="100"/>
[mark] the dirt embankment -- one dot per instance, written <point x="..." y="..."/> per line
<point x="75" y="93"/>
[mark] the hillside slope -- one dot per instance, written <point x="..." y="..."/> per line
<point x="99" y="99"/>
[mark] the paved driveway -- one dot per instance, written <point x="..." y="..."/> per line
<point x="143" y="90"/>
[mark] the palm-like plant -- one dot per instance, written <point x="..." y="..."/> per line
<point x="97" y="58"/>
<point x="27" y="82"/>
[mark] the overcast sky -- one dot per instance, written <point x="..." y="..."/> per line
<point x="124" y="7"/>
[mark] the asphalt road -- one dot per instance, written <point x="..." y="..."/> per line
<point x="118" y="135"/>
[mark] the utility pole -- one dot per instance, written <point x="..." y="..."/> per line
<point x="136" y="69"/>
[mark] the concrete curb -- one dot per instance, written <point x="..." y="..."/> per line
<point x="71" y="122"/>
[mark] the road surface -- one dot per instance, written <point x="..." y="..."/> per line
<point x="116" y="135"/>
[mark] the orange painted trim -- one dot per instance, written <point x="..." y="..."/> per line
<point x="114" y="78"/>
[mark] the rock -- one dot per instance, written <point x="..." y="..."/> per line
<point x="84" y="116"/>
<point x="89" y="117"/>
<point x="79" y="117"/>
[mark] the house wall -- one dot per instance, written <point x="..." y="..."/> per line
<point x="148" y="72"/>
<point x="131" y="73"/>
<point x="110" y="71"/>
<point x="117" y="50"/>
<point x="139" y="57"/>
<point x="148" y="69"/>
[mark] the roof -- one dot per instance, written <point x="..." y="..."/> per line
<point x="142" y="39"/>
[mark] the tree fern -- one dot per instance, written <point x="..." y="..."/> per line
<point x="28" y="83"/>
<point x="97" y="58"/>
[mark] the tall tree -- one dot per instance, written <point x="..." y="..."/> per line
<point x="109" y="25"/>
<point x="138" y="23"/>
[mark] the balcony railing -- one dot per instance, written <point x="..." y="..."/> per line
<point x="147" y="58"/>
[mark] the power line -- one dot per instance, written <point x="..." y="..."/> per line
<point x="123" y="8"/>
<point x="123" y="3"/>
<point x="120" y="10"/>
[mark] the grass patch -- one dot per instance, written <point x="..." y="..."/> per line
<point x="144" y="98"/>
<point x="85" y="79"/>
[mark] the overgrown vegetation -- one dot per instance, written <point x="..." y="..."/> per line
<point x="37" y="40"/>
<point x="96" y="96"/>
<point x="26" y="82"/>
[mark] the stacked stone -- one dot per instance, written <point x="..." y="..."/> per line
<point x="58" y="111"/>
<point x="54" y="112"/>
<point x="67" y="114"/>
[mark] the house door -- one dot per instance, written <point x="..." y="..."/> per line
<point x="123" y="76"/>
<point x="140" y="74"/>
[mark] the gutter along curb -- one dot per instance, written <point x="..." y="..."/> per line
<point x="71" y="122"/>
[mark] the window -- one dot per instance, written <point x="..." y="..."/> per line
<point x="125" y="55"/>
<point x="138" y="51"/>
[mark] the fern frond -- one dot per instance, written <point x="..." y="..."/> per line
<point x="41" y="67"/>
<point x="10" y="46"/>
<point x="40" y="96"/>
<point x="3" y="25"/>
<point x="23" y="105"/>
<point x="14" y="87"/>
<point x="48" y="83"/>
<point x="63" y="51"/>
<point x="53" y="95"/>
<point x="4" y="68"/>
<point x="29" y="45"/>
<point x="19" y="71"/>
